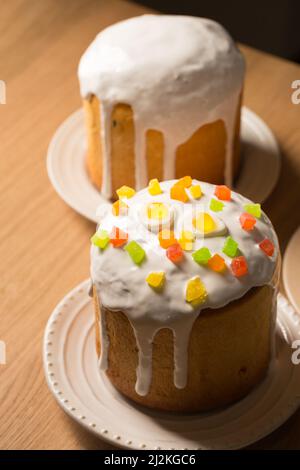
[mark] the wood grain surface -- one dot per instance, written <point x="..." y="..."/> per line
<point x="44" y="249"/>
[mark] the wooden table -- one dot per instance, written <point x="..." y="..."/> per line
<point x="44" y="249"/>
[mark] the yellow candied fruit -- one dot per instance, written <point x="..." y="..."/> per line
<point x="196" y="191"/>
<point x="186" y="240"/>
<point x="154" y="187"/>
<point x="157" y="211"/>
<point x="196" y="293"/>
<point x="204" y="222"/>
<point x="156" y="280"/>
<point x="125" y="191"/>
<point x="119" y="208"/>
<point x="186" y="181"/>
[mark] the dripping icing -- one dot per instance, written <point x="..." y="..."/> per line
<point x="122" y="285"/>
<point x="175" y="93"/>
<point x="105" y="111"/>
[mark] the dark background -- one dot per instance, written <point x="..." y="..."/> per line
<point x="272" y="26"/>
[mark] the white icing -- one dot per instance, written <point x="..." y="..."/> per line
<point x="122" y="285"/>
<point x="177" y="72"/>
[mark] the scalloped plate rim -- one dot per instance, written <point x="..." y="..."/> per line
<point x="81" y="290"/>
<point x="61" y="146"/>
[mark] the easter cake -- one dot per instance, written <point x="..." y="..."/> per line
<point x="162" y="98"/>
<point x="184" y="277"/>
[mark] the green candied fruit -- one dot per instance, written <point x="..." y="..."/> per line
<point x="215" y="205"/>
<point x="253" y="209"/>
<point x="202" y="255"/>
<point x="136" y="252"/>
<point x="100" y="239"/>
<point x="230" y="247"/>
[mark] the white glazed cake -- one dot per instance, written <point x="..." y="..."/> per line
<point x="179" y="75"/>
<point x="222" y="272"/>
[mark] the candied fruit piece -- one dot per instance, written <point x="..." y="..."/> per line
<point x="178" y="193"/>
<point x="202" y="256"/>
<point x="253" y="209"/>
<point x="196" y="191"/>
<point x="186" y="240"/>
<point x="119" y="208"/>
<point x="196" y="293"/>
<point x="125" y="191"/>
<point x="230" y="247"/>
<point x="118" y="238"/>
<point x="204" y="222"/>
<point x="175" y="253"/>
<point x="136" y="252"/>
<point x="154" y="187"/>
<point x="156" y="280"/>
<point x="267" y="247"/>
<point x="166" y="238"/>
<point x="100" y="239"/>
<point x="216" y="205"/>
<point x="223" y="192"/>
<point x="157" y="210"/>
<point x="239" y="266"/>
<point x="186" y="181"/>
<point x="247" y="221"/>
<point x="217" y="263"/>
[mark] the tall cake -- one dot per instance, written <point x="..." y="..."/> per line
<point x="162" y="98"/>
<point x="184" y="277"/>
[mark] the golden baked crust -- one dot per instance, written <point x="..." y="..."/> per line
<point x="122" y="147"/>
<point x="202" y="155"/>
<point x="155" y="154"/>
<point x="229" y="353"/>
<point x="94" y="151"/>
<point x="207" y="146"/>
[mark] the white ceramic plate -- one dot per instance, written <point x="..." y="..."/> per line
<point x="66" y="163"/>
<point x="86" y="395"/>
<point x="291" y="270"/>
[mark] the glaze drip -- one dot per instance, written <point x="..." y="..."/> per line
<point x="121" y="284"/>
<point x="175" y="91"/>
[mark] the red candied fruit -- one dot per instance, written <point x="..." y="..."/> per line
<point x="175" y="253"/>
<point x="267" y="247"/>
<point x="239" y="266"/>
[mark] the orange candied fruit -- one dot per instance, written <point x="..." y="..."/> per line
<point x="247" y="221"/>
<point x="166" y="238"/>
<point x="119" y="208"/>
<point x="178" y="193"/>
<point x="186" y="181"/>
<point x="223" y="192"/>
<point x="118" y="238"/>
<point x="217" y="263"/>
